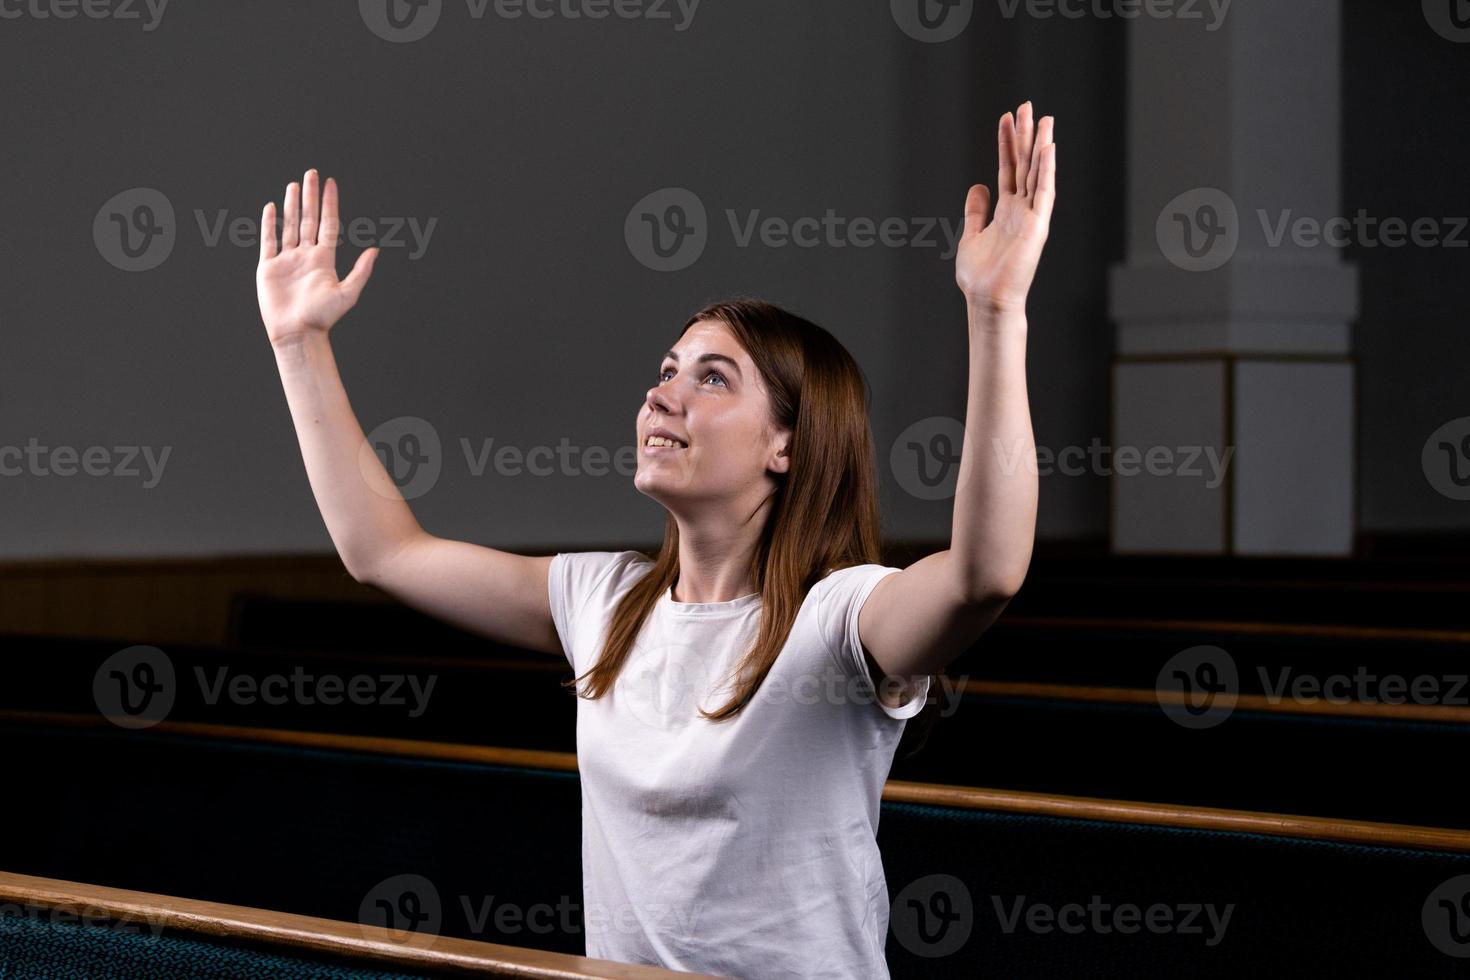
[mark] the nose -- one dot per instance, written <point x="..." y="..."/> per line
<point x="660" y="399"/>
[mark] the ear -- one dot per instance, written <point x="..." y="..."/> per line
<point x="781" y="462"/>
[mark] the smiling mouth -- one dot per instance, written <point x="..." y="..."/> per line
<point x="659" y="442"/>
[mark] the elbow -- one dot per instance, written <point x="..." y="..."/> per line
<point x="379" y="564"/>
<point x="361" y="572"/>
<point x="994" y="592"/>
<point x="994" y="586"/>
<point x="365" y="567"/>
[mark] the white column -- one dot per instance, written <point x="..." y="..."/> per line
<point x="1233" y="332"/>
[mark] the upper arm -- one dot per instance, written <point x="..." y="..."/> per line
<point x="493" y="593"/>
<point x="918" y="620"/>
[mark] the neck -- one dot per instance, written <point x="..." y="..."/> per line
<point x="715" y="558"/>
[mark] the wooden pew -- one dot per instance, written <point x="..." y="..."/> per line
<point x="184" y="930"/>
<point x="1080" y="739"/>
<point x="1311" y="895"/>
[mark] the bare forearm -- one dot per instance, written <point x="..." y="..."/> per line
<point x="995" y="497"/>
<point x="363" y="510"/>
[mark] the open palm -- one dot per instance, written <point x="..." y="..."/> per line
<point x="296" y="280"/>
<point x="997" y="258"/>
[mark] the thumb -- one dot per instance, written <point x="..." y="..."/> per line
<point x="977" y="209"/>
<point x="362" y="270"/>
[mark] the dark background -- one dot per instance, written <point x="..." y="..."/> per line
<point x="528" y="320"/>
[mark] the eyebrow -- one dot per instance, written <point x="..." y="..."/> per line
<point x="707" y="359"/>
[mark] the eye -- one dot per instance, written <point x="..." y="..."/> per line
<point x="664" y="373"/>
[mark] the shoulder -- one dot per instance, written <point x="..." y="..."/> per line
<point x="851" y="581"/>
<point x="596" y="564"/>
<point x="580" y="573"/>
<point x="578" y="579"/>
<point x="839" y="596"/>
<point x="842" y="595"/>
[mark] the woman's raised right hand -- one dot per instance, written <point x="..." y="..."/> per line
<point x="296" y="280"/>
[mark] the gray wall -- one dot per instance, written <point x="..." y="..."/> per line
<point x="527" y="319"/>
<point x="1404" y="148"/>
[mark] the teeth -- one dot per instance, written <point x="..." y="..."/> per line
<point x="661" y="441"/>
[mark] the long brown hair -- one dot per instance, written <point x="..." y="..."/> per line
<point x="824" y="510"/>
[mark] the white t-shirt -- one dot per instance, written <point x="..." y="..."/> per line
<point x="740" y="848"/>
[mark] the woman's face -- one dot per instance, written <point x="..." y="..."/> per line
<point x="712" y="399"/>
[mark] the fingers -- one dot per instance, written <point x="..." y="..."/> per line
<point x="1006" y="182"/>
<point x="1046" y="183"/>
<point x="1043" y="138"/>
<point x="362" y="270"/>
<point x="291" y="217"/>
<point x="331" y="226"/>
<point x="311" y="205"/>
<point x="977" y="209"/>
<point x="1025" y="133"/>
<point x="268" y="246"/>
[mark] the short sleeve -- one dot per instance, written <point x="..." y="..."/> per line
<point x="843" y="593"/>
<point x="582" y="584"/>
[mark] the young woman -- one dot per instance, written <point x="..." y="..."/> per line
<point x="742" y="692"/>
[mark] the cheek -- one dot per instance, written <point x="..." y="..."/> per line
<point x="735" y="448"/>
